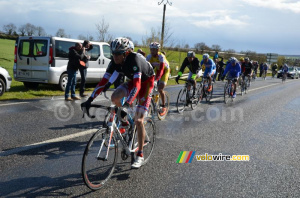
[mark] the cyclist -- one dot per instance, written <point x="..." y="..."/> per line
<point x="285" y="70"/>
<point x="233" y="68"/>
<point x="247" y="69"/>
<point x="140" y="85"/>
<point x="265" y="69"/>
<point x="162" y="70"/>
<point x="255" y="67"/>
<point x="195" y="70"/>
<point x="274" y="70"/>
<point x="210" y="69"/>
<point x="221" y="68"/>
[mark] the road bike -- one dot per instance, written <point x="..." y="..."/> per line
<point x="204" y="91"/>
<point x="101" y="152"/>
<point x="157" y="103"/>
<point x="185" y="98"/>
<point x="284" y="76"/>
<point x="228" y="90"/>
<point x="245" y="84"/>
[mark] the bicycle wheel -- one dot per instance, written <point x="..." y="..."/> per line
<point x="181" y="100"/>
<point x="96" y="170"/>
<point x="195" y="101"/>
<point x="167" y="103"/>
<point x="243" y="88"/>
<point x="149" y="140"/>
<point x="209" y="94"/>
<point x="226" y="93"/>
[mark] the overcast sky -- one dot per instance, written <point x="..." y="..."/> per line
<point x="264" y="26"/>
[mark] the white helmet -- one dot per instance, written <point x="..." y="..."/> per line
<point x="154" y="45"/>
<point x="131" y="45"/>
<point x="205" y="56"/>
<point x="119" y="45"/>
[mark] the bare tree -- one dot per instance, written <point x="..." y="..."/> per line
<point x="9" y="28"/>
<point x="30" y="29"/>
<point x="22" y="30"/>
<point x="186" y="46"/>
<point x="61" y="33"/>
<point x="216" y="48"/>
<point x="201" y="47"/>
<point x="40" y="31"/>
<point x="102" y="31"/>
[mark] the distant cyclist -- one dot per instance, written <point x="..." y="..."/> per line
<point x="162" y="69"/>
<point x="247" y="69"/>
<point x="233" y="69"/>
<point x="210" y="69"/>
<point x="274" y="70"/>
<point x="193" y="64"/>
<point x="221" y="68"/>
<point x="285" y="70"/>
<point x="265" y="70"/>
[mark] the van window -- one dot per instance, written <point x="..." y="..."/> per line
<point x="62" y="48"/>
<point x="40" y="47"/>
<point x="24" y="47"/>
<point x="94" y="53"/>
<point x="107" y="51"/>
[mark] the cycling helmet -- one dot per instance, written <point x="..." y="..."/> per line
<point x="242" y="59"/>
<point x="191" y="54"/>
<point x="120" y="45"/>
<point x="246" y="59"/>
<point x="154" y="45"/>
<point x="233" y="60"/>
<point x="131" y="45"/>
<point x="205" y="56"/>
<point x="285" y="65"/>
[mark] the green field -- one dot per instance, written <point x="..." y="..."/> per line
<point x="18" y="91"/>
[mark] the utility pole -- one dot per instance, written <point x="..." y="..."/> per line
<point x="163" y="21"/>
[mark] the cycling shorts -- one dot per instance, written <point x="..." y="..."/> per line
<point x="206" y="73"/>
<point x="145" y="94"/>
<point x="164" y="78"/>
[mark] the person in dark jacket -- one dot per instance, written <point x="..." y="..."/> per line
<point x="86" y="46"/>
<point x="75" y="56"/>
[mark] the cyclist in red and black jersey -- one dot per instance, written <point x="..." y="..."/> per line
<point x="141" y="82"/>
<point x="247" y="69"/>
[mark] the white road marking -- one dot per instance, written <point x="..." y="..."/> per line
<point x="15" y="103"/>
<point x="39" y="144"/>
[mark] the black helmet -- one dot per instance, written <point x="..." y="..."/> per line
<point x="191" y="54"/>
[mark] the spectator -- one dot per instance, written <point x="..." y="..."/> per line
<point x="83" y="69"/>
<point x="75" y="56"/>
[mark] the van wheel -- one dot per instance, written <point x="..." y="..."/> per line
<point x="2" y="87"/>
<point x="63" y="82"/>
<point x="31" y="85"/>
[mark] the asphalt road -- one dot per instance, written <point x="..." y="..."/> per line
<point x="42" y="142"/>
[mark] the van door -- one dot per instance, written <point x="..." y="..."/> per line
<point x="33" y="60"/>
<point x="40" y="60"/>
<point x="23" y="59"/>
<point x="98" y="62"/>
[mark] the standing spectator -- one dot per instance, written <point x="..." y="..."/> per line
<point x="221" y="68"/>
<point x="75" y="56"/>
<point x="86" y="46"/>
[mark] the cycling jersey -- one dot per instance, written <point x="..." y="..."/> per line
<point x="233" y="71"/>
<point x="285" y="69"/>
<point x="194" y="66"/>
<point x="210" y="67"/>
<point x="135" y="68"/>
<point x="247" y="68"/>
<point x="160" y="63"/>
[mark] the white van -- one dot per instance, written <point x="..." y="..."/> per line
<point x="45" y="59"/>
